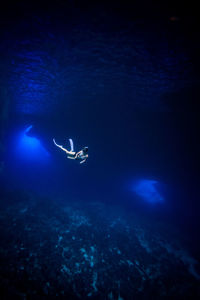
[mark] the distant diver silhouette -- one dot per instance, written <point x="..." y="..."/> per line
<point x="81" y="155"/>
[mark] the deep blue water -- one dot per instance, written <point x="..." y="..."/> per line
<point x="123" y="80"/>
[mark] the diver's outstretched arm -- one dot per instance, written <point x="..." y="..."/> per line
<point x="61" y="147"/>
<point x="82" y="161"/>
<point x="70" y="157"/>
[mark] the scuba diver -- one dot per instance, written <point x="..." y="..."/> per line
<point x="81" y="155"/>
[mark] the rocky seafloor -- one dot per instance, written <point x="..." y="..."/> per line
<point x="62" y="250"/>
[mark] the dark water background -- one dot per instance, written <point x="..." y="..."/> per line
<point x="124" y="80"/>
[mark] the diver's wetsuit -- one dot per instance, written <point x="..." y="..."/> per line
<point x="80" y="155"/>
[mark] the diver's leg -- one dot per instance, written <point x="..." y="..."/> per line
<point x="56" y="144"/>
<point x="71" y="145"/>
<point x="61" y="147"/>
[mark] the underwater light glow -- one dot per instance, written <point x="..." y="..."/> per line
<point x="147" y="189"/>
<point x="29" y="147"/>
